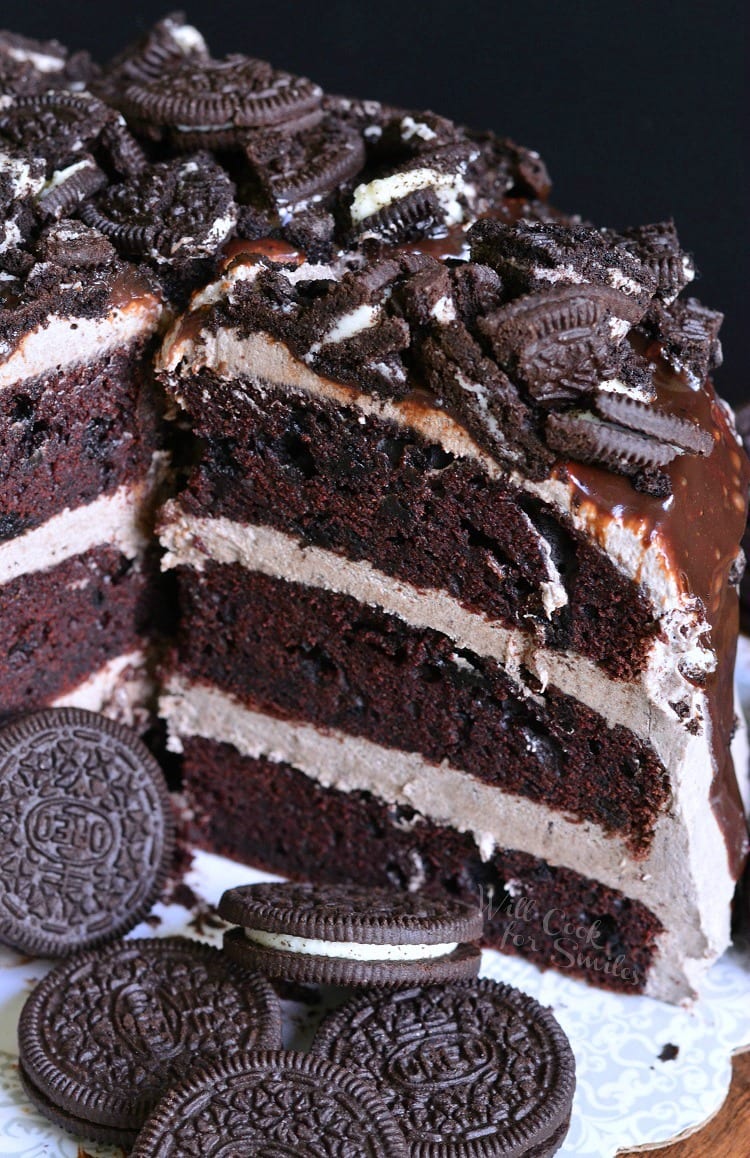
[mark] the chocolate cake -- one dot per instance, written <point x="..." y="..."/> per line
<point x="456" y="513"/>
<point x="79" y="463"/>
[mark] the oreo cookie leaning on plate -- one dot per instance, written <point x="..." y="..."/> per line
<point x="86" y="831"/>
<point x="477" y="1070"/>
<point x="272" y="1103"/>
<point x="345" y="935"/>
<point x="105" y="1035"/>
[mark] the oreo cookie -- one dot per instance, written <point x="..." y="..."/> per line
<point x="581" y="435"/>
<point x="86" y="831"/>
<point x="688" y="334"/>
<point x="538" y="256"/>
<point x="167" y="46"/>
<point x="272" y="1103"/>
<point x="174" y="209"/>
<point x="562" y="343"/>
<point x="477" y="1070"/>
<point x="214" y="101"/>
<point x="421" y="186"/>
<point x="293" y="167"/>
<point x="70" y="186"/>
<point x="33" y="66"/>
<point x="63" y="127"/>
<point x="345" y="935"/>
<point x="105" y="1035"/>
<point x="679" y="432"/>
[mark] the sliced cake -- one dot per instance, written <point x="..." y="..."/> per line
<point x="458" y="586"/>
<point x="79" y="465"/>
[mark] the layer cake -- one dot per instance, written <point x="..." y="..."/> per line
<point x="80" y="462"/>
<point x="455" y="517"/>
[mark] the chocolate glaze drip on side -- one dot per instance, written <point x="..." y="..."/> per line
<point x="697" y="528"/>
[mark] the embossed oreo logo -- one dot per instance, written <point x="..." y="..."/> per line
<point x="152" y="1023"/>
<point x="440" y="1061"/>
<point x="71" y="830"/>
<point x="256" y="1143"/>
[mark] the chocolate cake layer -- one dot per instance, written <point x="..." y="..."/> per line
<point x="372" y="490"/>
<point x="274" y="816"/>
<point x="68" y="437"/>
<point x="307" y="654"/>
<point x="59" y="626"/>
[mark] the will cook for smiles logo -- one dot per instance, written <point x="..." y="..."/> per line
<point x="526" y="929"/>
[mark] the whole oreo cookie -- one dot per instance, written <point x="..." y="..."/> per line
<point x="106" y="1034"/>
<point x="345" y="935"/>
<point x="211" y="100"/>
<point x="271" y="1104"/>
<point x="86" y="831"/>
<point x="473" y="1070"/>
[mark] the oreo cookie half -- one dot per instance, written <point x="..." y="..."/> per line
<point x="477" y="1070"/>
<point x="345" y="935"/>
<point x="293" y="167"/>
<point x="178" y="209"/>
<point x="86" y="831"/>
<point x="272" y="1103"/>
<point x="105" y="1035"/>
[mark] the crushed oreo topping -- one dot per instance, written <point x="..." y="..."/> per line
<point x="447" y="270"/>
<point x="73" y="245"/>
<point x="22" y="179"/>
<point x="32" y="66"/>
<point x="657" y="248"/>
<point x="418" y="181"/>
<point x="165" y="47"/>
<point x="688" y="334"/>
<point x="536" y="256"/>
<point x="179" y="209"/>
<point x="61" y="127"/>
<point x="70" y="186"/>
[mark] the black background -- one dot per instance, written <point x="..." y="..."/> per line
<point x="637" y="106"/>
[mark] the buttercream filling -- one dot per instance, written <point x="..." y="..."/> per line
<point x="644" y="706"/>
<point x="348" y="950"/>
<point x="121" y="689"/>
<point x="70" y="341"/>
<point x="113" y="520"/>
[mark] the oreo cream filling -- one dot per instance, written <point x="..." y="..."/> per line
<point x="348" y="950"/>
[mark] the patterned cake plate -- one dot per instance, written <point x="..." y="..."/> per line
<point x="647" y="1072"/>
